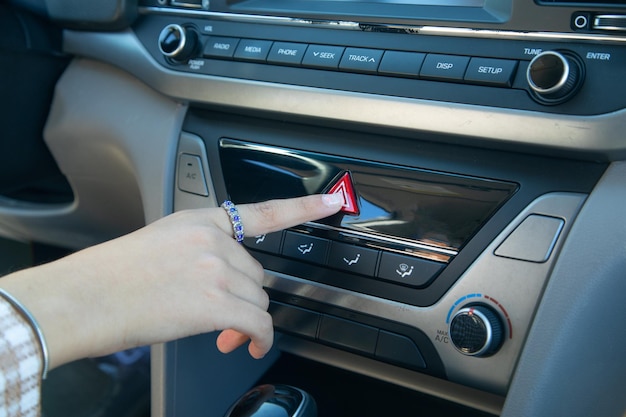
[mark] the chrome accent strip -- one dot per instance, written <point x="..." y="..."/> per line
<point x="251" y="18"/>
<point x="183" y="39"/>
<point x="488" y="330"/>
<point x="598" y="22"/>
<point x="513" y="35"/>
<point x="556" y="87"/>
<point x="186" y="4"/>
<point x="387" y="239"/>
<point x="421" y="30"/>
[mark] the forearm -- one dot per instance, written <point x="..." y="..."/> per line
<point x="65" y="306"/>
<point x="180" y="276"/>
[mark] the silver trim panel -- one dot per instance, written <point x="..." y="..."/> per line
<point x="593" y="134"/>
<point x="427" y="384"/>
<point x="492" y="280"/>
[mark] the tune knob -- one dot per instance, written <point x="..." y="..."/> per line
<point x="476" y="330"/>
<point x="178" y="42"/>
<point x="554" y="77"/>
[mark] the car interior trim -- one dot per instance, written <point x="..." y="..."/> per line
<point x="476" y="266"/>
<point x="570" y="134"/>
<point x="493" y="373"/>
<point x="480" y="400"/>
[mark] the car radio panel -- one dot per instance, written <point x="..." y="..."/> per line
<point x="477" y="65"/>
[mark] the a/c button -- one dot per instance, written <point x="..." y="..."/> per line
<point x="191" y="175"/>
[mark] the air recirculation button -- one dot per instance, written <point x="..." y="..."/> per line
<point x="476" y="330"/>
<point x="178" y="43"/>
<point x="554" y="77"/>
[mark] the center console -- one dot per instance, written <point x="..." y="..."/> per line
<point x="438" y="259"/>
<point x="464" y="136"/>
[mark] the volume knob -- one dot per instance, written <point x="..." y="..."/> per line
<point x="177" y="42"/>
<point x="476" y="330"/>
<point x="554" y="77"/>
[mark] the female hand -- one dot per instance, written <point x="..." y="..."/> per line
<point x="179" y="276"/>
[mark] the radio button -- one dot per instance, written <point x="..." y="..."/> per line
<point x="287" y="53"/>
<point x="305" y="247"/>
<point x="407" y="270"/>
<point x="554" y="77"/>
<point x="398" y="63"/>
<point x="362" y="60"/>
<point x="218" y="47"/>
<point x="444" y="67"/>
<point x="323" y="56"/>
<point x="253" y="50"/>
<point x="353" y="258"/>
<point x="179" y="43"/>
<point x="487" y="71"/>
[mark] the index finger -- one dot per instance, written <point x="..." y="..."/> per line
<point x="271" y="216"/>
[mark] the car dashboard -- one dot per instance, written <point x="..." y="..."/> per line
<point x="478" y="260"/>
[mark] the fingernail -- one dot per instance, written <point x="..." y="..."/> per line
<point x="332" y="200"/>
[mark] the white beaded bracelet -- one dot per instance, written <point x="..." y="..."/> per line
<point x="34" y="325"/>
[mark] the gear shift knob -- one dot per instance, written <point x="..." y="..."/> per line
<point x="274" y="401"/>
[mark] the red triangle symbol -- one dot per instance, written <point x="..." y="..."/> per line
<point x="344" y="187"/>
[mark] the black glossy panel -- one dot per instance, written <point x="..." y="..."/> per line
<point x="294" y="319"/>
<point x="435" y="208"/>
<point x="348" y="334"/>
<point x="398" y="348"/>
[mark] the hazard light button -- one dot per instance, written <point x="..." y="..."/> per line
<point x="343" y="186"/>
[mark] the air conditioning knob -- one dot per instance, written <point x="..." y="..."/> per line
<point x="554" y="77"/>
<point x="178" y="42"/>
<point x="476" y="330"/>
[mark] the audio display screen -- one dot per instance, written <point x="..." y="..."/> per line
<point x="464" y="3"/>
<point x="433" y="208"/>
<point x="374" y="11"/>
